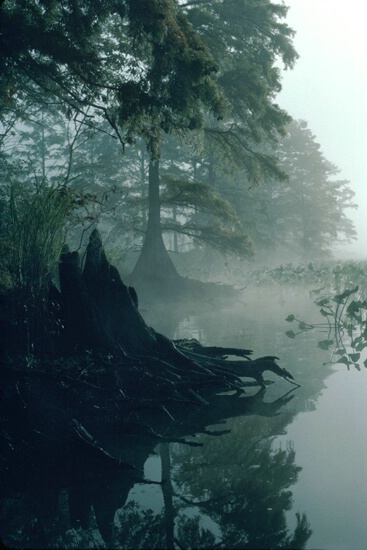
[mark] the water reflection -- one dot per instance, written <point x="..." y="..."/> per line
<point x="64" y="496"/>
<point x="221" y="497"/>
<point x="224" y="480"/>
<point x="243" y="486"/>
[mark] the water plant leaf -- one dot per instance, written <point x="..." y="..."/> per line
<point x="325" y="344"/>
<point x="354" y="308"/>
<point x="290" y="318"/>
<point x="290" y="334"/>
<point x="340" y="351"/>
<point x="344" y="360"/>
<point x="302" y="326"/>
<point x="365" y="363"/>
<point x="354" y="357"/>
<point x="322" y="302"/>
<point x="339" y="298"/>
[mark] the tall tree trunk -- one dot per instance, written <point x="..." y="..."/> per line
<point x="43" y="147"/>
<point x="154" y="263"/>
<point x="142" y="169"/>
<point x="175" y="236"/>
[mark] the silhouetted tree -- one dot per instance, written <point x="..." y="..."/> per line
<point x="304" y="216"/>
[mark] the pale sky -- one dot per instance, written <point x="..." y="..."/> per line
<point x="327" y="88"/>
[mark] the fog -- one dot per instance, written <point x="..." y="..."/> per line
<point x="323" y="421"/>
<point x="328" y="88"/>
<point x="190" y="370"/>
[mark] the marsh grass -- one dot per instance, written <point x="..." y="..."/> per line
<point x="35" y="221"/>
<point x="37" y="231"/>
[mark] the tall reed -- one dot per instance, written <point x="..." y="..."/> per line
<point x="33" y="232"/>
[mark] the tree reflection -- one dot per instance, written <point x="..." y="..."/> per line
<point x="138" y="527"/>
<point x="229" y="490"/>
<point x="220" y="496"/>
<point x="246" y="486"/>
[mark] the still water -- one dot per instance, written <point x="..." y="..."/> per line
<point x="309" y="460"/>
<point x="280" y="468"/>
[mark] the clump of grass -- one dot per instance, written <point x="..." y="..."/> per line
<point x="35" y="220"/>
<point x="36" y="232"/>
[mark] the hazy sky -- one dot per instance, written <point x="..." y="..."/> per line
<point x="328" y="86"/>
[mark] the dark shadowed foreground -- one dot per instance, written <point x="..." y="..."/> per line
<point x="81" y="415"/>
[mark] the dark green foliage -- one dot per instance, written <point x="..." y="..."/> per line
<point x="38" y="208"/>
<point x="33" y="228"/>
<point x="139" y="528"/>
<point x="246" y="39"/>
<point x="192" y="534"/>
<point x="150" y="69"/>
<point x="247" y="488"/>
<point x="142" y="67"/>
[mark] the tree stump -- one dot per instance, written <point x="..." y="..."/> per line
<point x="99" y="311"/>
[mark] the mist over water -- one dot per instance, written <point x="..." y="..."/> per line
<point x="323" y="423"/>
<point x="331" y="445"/>
<point x="190" y="371"/>
<point x="275" y="467"/>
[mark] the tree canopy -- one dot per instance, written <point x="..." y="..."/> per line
<point x="138" y="64"/>
<point x="154" y="66"/>
<point x="304" y="216"/>
<point x="148" y="69"/>
<point x="249" y="41"/>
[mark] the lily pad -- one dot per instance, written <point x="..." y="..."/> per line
<point x="325" y="344"/>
